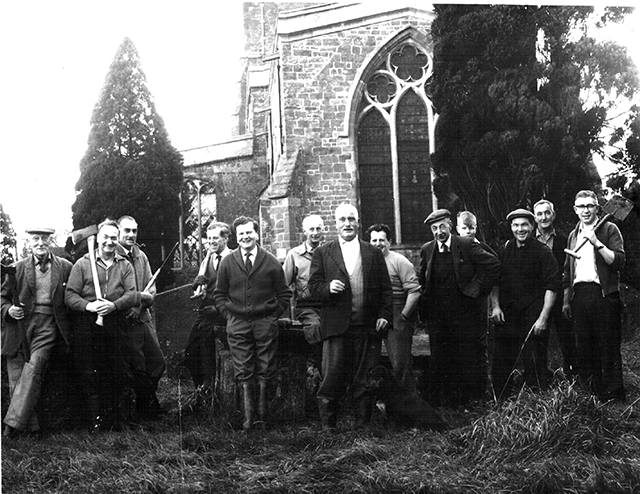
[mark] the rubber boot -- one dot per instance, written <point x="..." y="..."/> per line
<point x="328" y="414"/>
<point x="262" y="404"/>
<point x="248" y="406"/>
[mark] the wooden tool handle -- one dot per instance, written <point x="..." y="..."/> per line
<point x="574" y="252"/>
<point x="91" y="243"/>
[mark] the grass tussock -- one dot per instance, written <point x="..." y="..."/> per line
<point x="560" y="440"/>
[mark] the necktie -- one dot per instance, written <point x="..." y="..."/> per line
<point x="445" y="249"/>
<point x="218" y="259"/>
<point x="42" y="265"/>
<point x="249" y="264"/>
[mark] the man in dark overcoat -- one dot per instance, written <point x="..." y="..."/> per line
<point x="455" y="274"/>
<point x="350" y="278"/>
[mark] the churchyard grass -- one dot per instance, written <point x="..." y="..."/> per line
<point x="562" y="440"/>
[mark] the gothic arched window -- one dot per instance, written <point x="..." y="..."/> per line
<point x="394" y="141"/>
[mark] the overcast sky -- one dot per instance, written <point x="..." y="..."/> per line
<point x="55" y="56"/>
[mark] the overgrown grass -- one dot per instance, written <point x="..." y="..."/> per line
<point x="562" y="440"/>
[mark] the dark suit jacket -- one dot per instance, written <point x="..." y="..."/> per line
<point x="260" y="293"/>
<point x="476" y="270"/>
<point x="26" y="289"/>
<point x="328" y="264"/>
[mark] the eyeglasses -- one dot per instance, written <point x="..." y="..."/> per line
<point x="585" y="206"/>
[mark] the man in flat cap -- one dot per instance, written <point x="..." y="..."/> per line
<point x="455" y="274"/>
<point x="521" y="304"/>
<point x="34" y="319"/>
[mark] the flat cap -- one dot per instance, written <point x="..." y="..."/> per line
<point x="48" y="231"/>
<point x="437" y="215"/>
<point x="521" y="213"/>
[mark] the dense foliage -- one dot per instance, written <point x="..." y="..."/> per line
<point x="7" y="238"/>
<point x="130" y="166"/>
<point x="524" y="97"/>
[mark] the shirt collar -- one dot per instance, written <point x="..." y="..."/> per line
<point x="539" y="233"/>
<point x="44" y="261"/>
<point x="447" y="243"/>
<point x="253" y="252"/>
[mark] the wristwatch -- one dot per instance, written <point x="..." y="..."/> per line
<point x="600" y="247"/>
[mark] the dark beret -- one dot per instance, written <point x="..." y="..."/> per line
<point x="437" y="215"/>
<point x="521" y="213"/>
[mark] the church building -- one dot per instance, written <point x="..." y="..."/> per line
<point x="334" y="107"/>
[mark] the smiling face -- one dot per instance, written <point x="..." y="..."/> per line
<point x="347" y="222"/>
<point x="107" y="241"/>
<point x="544" y="216"/>
<point x="586" y="208"/>
<point x="128" y="231"/>
<point x="247" y="236"/>
<point x="441" y="230"/>
<point x="380" y="240"/>
<point x="216" y="243"/>
<point x="521" y="229"/>
<point x="312" y="229"/>
<point x="39" y="243"/>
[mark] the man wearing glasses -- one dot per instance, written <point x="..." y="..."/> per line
<point x="592" y="299"/>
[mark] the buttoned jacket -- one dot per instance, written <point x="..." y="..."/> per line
<point x="142" y="272"/>
<point x="328" y="264"/>
<point x="476" y="270"/>
<point x="253" y="294"/>
<point x="26" y="290"/>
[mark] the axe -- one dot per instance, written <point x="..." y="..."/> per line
<point x="617" y="207"/>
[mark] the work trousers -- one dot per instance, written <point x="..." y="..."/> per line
<point x="253" y="345"/>
<point x="200" y="354"/>
<point x="513" y="340"/>
<point x="26" y="371"/>
<point x="148" y="359"/>
<point x="104" y="360"/>
<point x="346" y="361"/>
<point x="456" y="336"/>
<point x="398" y="344"/>
<point x="598" y="327"/>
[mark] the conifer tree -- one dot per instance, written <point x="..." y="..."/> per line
<point x="524" y="96"/>
<point x="7" y="238"/>
<point x="130" y="166"/>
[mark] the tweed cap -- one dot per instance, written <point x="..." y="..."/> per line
<point x="437" y="215"/>
<point x="48" y="231"/>
<point x="521" y="213"/>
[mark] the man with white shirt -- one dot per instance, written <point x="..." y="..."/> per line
<point x="350" y="279"/>
<point x="251" y="293"/>
<point x="455" y="274"/>
<point x="592" y="299"/>
<point x="200" y="353"/>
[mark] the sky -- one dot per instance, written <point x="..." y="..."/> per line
<point x="55" y="57"/>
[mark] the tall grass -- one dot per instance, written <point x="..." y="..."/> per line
<point x="562" y="440"/>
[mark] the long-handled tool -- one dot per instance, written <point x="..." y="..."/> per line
<point x="155" y="275"/>
<point x="617" y="207"/>
<point x="200" y="291"/>
<point x="91" y="243"/>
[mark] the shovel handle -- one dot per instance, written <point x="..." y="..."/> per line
<point x="574" y="252"/>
